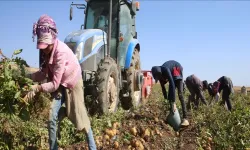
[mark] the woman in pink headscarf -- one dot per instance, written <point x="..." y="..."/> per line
<point x="64" y="80"/>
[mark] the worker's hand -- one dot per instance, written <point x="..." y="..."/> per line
<point x="173" y="107"/>
<point x="31" y="94"/>
<point x="34" y="89"/>
<point x="217" y="96"/>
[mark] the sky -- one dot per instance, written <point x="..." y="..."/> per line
<point x="209" y="38"/>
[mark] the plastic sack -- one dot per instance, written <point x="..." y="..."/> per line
<point x="174" y="120"/>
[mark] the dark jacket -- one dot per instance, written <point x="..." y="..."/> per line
<point x="194" y="82"/>
<point x="170" y="70"/>
<point x="195" y="87"/>
<point x="222" y="83"/>
<point x="175" y="69"/>
<point x="225" y="82"/>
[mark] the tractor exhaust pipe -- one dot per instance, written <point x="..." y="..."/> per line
<point x="109" y="30"/>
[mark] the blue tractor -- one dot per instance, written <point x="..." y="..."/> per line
<point x="108" y="50"/>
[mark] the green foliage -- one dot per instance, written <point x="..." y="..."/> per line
<point x="17" y="134"/>
<point x="69" y="135"/>
<point x="12" y="86"/>
<point x="16" y="52"/>
<point x="21" y="122"/>
<point x="227" y="129"/>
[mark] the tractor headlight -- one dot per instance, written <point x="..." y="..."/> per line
<point x="79" y="50"/>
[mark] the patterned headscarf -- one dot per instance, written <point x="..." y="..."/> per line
<point x="45" y="30"/>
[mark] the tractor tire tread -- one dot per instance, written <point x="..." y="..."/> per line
<point x="105" y="67"/>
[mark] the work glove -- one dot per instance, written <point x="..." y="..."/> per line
<point x="217" y="96"/>
<point x="32" y="93"/>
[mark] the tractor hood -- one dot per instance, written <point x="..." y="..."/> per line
<point x="83" y="35"/>
<point x="84" y="42"/>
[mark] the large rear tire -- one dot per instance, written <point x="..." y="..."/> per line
<point x="134" y="98"/>
<point x="107" y="82"/>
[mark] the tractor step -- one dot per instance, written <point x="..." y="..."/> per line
<point x="125" y="85"/>
<point x="126" y="94"/>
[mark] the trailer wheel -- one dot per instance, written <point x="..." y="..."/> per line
<point x="134" y="98"/>
<point x="107" y="82"/>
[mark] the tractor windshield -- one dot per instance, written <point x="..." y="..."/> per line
<point x="97" y="15"/>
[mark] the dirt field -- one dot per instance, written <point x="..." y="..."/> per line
<point x="146" y="129"/>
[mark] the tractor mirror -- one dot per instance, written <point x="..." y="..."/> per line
<point x="71" y="13"/>
<point x="135" y="35"/>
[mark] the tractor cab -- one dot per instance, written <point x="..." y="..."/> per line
<point x="118" y="34"/>
<point x="97" y="17"/>
<point x="108" y="51"/>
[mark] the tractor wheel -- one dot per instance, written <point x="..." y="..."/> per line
<point x="107" y="82"/>
<point x="134" y="98"/>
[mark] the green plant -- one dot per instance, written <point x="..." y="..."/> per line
<point x="13" y="86"/>
<point x="17" y="129"/>
<point x="226" y="129"/>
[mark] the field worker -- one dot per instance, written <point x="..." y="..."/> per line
<point x="196" y="87"/>
<point x="213" y="95"/>
<point x="171" y="71"/>
<point x="223" y="83"/>
<point x="64" y="81"/>
<point x="210" y="89"/>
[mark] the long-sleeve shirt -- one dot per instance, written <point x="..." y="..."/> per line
<point x="194" y="82"/>
<point x="62" y="67"/>
<point x="224" y="82"/>
<point x="171" y="70"/>
<point x="195" y="86"/>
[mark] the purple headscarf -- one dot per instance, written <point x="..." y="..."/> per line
<point x="45" y="30"/>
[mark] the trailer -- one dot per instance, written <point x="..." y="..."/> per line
<point x="147" y="84"/>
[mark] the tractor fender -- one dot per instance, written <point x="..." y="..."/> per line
<point x="134" y="43"/>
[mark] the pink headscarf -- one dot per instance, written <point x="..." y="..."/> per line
<point x="45" y="30"/>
